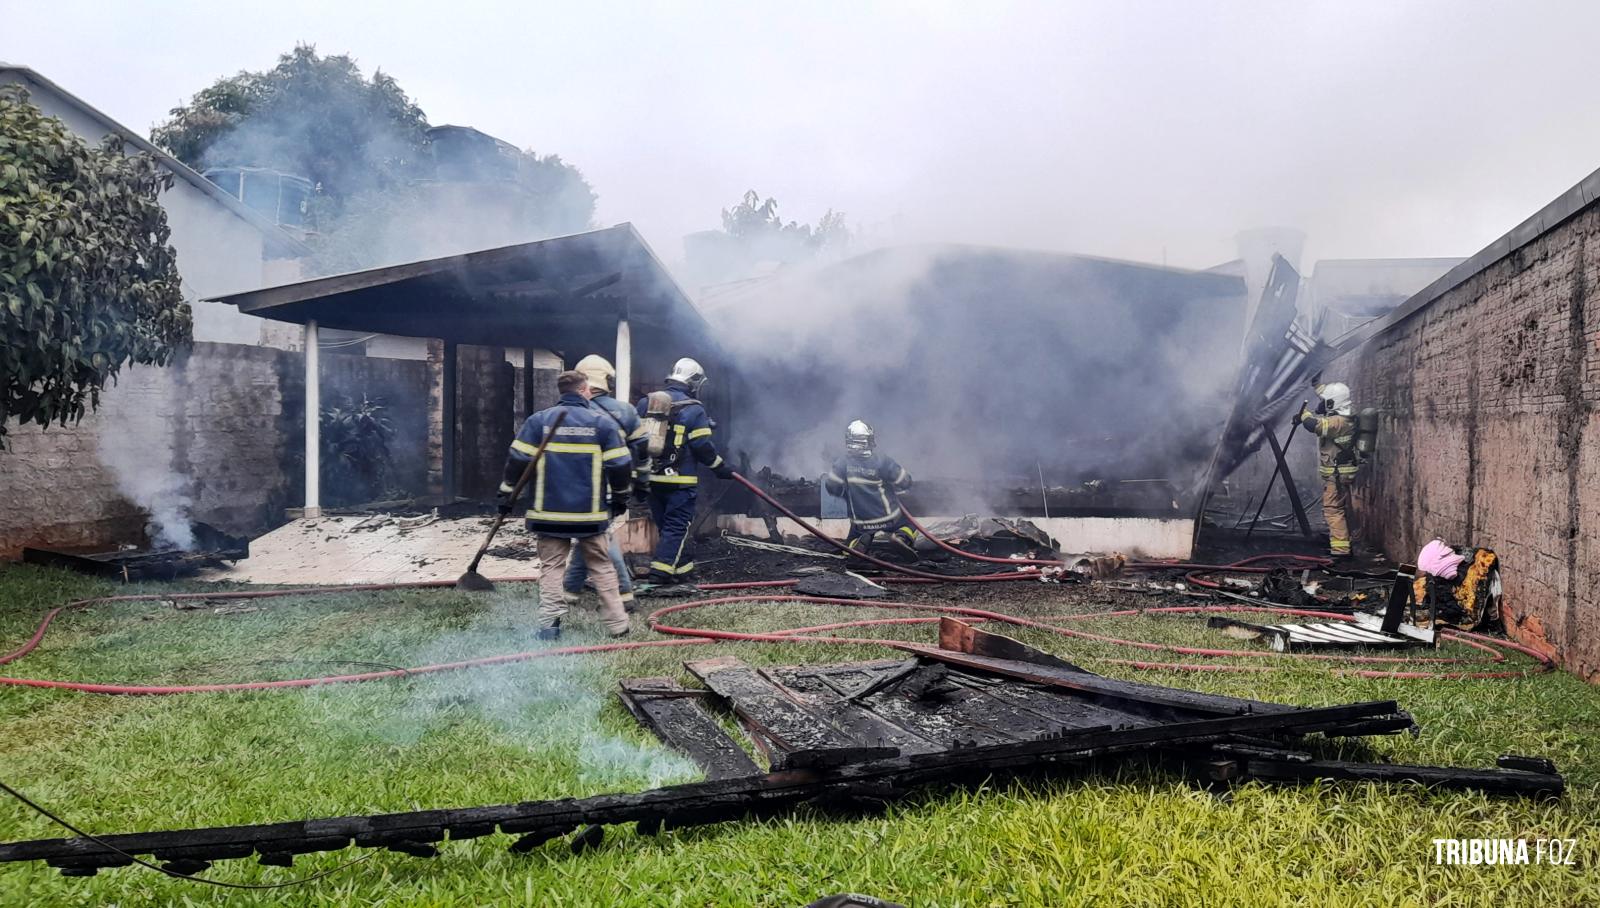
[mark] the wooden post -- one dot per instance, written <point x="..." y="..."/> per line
<point x="448" y="416"/>
<point x="313" y="419"/>
<point x="528" y="408"/>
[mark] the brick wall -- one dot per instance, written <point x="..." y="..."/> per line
<point x="1489" y="430"/>
<point x="217" y="435"/>
<point x="485" y="419"/>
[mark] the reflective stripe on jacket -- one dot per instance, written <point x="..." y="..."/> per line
<point x="871" y="485"/>
<point x="1336" y="453"/>
<point x="585" y="455"/>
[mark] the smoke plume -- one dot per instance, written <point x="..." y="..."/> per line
<point x="136" y="444"/>
<point x="987" y="364"/>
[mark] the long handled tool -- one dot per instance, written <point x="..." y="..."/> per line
<point x="472" y="581"/>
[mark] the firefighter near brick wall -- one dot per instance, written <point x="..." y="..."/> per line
<point x="676" y="434"/>
<point x="579" y="484"/>
<point x="871" y="483"/>
<point x="1335" y="424"/>
<point x="600" y="373"/>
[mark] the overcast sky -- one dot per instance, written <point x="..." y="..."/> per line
<point x="1141" y="131"/>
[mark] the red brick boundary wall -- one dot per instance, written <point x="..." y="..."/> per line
<point x="1488" y="382"/>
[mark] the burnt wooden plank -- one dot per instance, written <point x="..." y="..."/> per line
<point x="1499" y="781"/>
<point x="860" y="722"/>
<point x="1065" y="710"/>
<point x="962" y="637"/>
<point x="683" y="724"/>
<point x="1132" y="692"/>
<point x="768" y="707"/>
<point x="948" y="723"/>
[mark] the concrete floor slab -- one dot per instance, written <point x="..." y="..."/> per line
<point x="361" y="549"/>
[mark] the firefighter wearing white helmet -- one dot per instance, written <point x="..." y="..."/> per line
<point x="1334" y="424"/>
<point x="871" y="485"/>
<point x="676" y="435"/>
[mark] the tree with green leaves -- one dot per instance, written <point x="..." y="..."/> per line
<point x="365" y="145"/>
<point x="312" y="116"/>
<point x="88" y="283"/>
<point x="756" y="224"/>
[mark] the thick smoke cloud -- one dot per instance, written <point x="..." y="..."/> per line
<point x="987" y="364"/>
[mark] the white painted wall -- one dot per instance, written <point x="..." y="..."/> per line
<point x="1146" y="537"/>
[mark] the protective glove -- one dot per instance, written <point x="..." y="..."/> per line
<point x="619" y="503"/>
<point x="723" y="470"/>
<point x="1304" y="414"/>
<point x="503" y="509"/>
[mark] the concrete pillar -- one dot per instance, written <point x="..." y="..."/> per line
<point x="313" y="422"/>
<point x="624" y="362"/>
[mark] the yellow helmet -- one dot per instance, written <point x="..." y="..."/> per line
<point x="598" y="370"/>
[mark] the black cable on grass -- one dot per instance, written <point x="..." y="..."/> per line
<point x="157" y="867"/>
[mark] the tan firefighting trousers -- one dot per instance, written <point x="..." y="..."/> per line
<point x="1335" y="508"/>
<point x="596" y="554"/>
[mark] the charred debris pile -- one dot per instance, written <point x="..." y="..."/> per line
<point x="851" y="738"/>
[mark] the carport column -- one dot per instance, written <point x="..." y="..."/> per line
<point x="313" y="423"/>
<point x="624" y="362"/>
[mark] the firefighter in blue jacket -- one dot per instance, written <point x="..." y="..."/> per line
<point x="871" y="483"/>
<point x="601" y="373"/>
<point x="571" y="507"/>
<point x="675" y="433"/>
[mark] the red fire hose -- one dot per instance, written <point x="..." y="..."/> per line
<point x="686" y="636"/>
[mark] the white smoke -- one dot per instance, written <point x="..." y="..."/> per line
<point x="136" y="444"/>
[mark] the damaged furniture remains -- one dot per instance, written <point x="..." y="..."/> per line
<point x="853" y="737"/>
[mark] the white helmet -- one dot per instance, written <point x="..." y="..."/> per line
<point x="598" y="370"/>
<point x="1336" y="397"/>
<point x="689" y="372"/>
<point x="858" y="438"/>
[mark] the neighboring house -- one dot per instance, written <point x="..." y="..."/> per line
<point x="223" y="245"/>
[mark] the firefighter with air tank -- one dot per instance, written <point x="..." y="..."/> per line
<point x="676" y="434"/>
<point x="871" y="483"/>
<point x="1346" y="440"/>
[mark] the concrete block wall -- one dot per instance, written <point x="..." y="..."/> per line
<point x="1490" y="400"/>
<point x="201" y="435"/>
<point x="217" y="434"/>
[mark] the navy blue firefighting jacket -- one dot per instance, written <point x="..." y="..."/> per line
<point x="627" y="419"/>
<point x="690" y="438"/>
<point x="568" y="490"/>
<point x="872" y="486"/>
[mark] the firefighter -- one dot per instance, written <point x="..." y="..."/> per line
<point x="871" y="483"/>
<point x="571" y="509"/>
<point x="1334" y="423"/>
<point x="600" y="373"/>
<point x="676" y="435"/>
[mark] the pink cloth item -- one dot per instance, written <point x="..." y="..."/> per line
<point x="1439" y="560"/>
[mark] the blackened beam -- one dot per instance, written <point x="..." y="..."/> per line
<point x="695" y="803"/>
<point x="1500" y="781"/>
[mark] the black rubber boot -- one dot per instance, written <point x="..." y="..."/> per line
<point x="552" y="632"/>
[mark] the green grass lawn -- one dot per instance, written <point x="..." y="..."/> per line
<point x="551" y="728"/>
